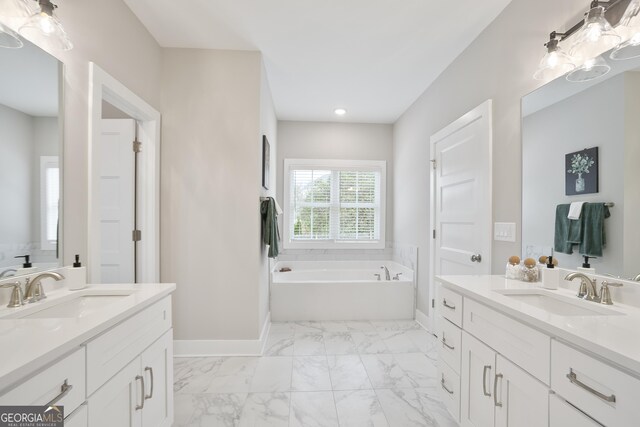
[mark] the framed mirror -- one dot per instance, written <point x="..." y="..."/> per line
<point x="30" y="160"/>
<point x="581" y="143"/>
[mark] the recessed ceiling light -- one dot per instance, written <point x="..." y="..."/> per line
<point x="340" y="111"/>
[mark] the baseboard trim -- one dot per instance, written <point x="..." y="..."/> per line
<point x="207" y="348"/>
<point x="423" y="320"/>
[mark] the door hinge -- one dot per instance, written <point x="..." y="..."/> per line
<point x="136" y="235"/>
<point x="434" y="164"/>
<point x="137" y="146"/>
<point x="433" y="303"/>
<point x="434" y="233"/>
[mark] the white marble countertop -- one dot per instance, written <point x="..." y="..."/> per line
<point x="28" y="344"/>
<point x="615" y="338"/>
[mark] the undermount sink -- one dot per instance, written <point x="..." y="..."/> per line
<point x="76" y="307"/>
<point x="557" y="304"/>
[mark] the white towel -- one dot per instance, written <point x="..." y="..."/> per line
<point x="575" y="210"/>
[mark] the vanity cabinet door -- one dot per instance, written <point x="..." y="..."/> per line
<point x="477" y="374"/>
<point x="118" y="401"/>
<point x="157" y="369"/>
<point x="519" y="399"/>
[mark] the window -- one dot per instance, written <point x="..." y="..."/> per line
<point x="49" y="200"/>
<point x="334" y="204"/>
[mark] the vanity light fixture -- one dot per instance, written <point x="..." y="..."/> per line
<point x="340" y="111"/>
<point x="556" y="62"/>
<point x="43" y="23"/>
<point x="629" y="28"/>
<point x="595" y="37"/>
<point x="9" y="38"/>
<point x="591" y="69"/>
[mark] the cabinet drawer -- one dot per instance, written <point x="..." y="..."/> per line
<point x="450" y="389"/>
<point x="449" y="347"/>
<point x="601" y="391"/>
<point x="45" y="386"/>
<point x="521" y="344"/>
<point x="562" y="414"/>
<point x="113" y="350"/>
<point x="450" y="306"/>
<point x="78" y="419"/>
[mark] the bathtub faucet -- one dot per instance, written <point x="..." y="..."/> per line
<point x="387" y="276"/>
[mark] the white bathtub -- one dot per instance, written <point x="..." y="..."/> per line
<point x="341" y="290"/>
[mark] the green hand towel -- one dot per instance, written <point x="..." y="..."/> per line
<point x="270" y="232"/>
<point x="594" y="237"/>
<point x="568" y="232"/>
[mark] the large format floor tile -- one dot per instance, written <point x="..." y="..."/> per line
<point x="346" y="374"/>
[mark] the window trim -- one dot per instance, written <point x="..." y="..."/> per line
<point x="362" y="165"/>
<point x="47" y="162"/>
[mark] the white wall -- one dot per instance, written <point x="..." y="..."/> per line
<point x="565" y="127"/>
<point x="109" y="34"/>
<point x="268" y="127"/>
<point x="498" y="65"/>
<point x="350" y="141"/>
<point x="210" y="191"/>
<point x="631" y="248"/>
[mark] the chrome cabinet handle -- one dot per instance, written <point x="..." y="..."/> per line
<point x="495" y="390"/>
<point x="444" y="343"/>
<point x="484" y="380"/>
<point x="65" y="388"/>
<point x="150" y="370"/>
<point x="444" y="302"/>
<point x="141" y="405"/>
<point x="444" y="386"/>
<point x="476" y="258"/>
<point x="574" y="380"/>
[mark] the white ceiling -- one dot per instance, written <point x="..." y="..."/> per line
<point x="373" y="58"/>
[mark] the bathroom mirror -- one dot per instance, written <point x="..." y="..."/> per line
<point x="30" y="159"/>
<point x="563" y="118"/>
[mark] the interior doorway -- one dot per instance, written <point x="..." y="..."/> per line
<point x="124" y="183"/>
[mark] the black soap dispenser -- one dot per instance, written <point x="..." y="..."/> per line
<point x="27" y="267"/>
<point x="586" y="267"/>
<point x="76" y="276"/>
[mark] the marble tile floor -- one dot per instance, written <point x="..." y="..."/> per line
<point x="346" y="374"/>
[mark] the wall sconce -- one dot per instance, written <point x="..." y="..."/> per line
<point x="43" y="25"/>
<point x="590" y="39"/>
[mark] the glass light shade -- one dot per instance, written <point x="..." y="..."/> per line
<point x="554" y="64"/>
<point x="18" y="8"/>
<point x="591" y="69"/>
<point x="629" y="29"/>
<point x="595" y="37"/>
<point x="9" y="38"/>
<point x="46" y="28"/>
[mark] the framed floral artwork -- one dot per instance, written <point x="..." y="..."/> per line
<point x="581" y="172"/>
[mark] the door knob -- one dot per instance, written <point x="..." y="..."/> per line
<point x="476" y="258"/>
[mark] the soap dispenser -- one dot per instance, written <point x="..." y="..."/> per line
<point x="27" y="267"/>
<point x="586" y="267"/>
<point x="76" y="276"/>
<point x="550" y="275"/>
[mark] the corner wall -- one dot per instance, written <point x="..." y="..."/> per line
<point x="498" y="65"/>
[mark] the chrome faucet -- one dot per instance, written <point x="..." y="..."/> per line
<point x="5" y="273"/>
<point x="387" y="276"/>
<point x="33" y="287"/>
<point x="637" y="278"/>
<point x="588" y="289"/>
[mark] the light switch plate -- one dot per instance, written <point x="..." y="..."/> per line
<point x="504" y="231"/>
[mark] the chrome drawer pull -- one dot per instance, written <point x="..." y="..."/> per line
<point x="495" y="390"/>
<point x="141" y="405"/>
<point x="65" y="388"/>
<point x="444" y="302"/>
<point x="444" y="386"/>
<point x="484" y="380"/>
<point x="574" y="379"/>
<point x="150" y="395"/>
<point x="444" y="343"/>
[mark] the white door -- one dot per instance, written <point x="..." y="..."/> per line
<point x="461" y="197"/>
<point x="157" y="368"/>
<point x="117" y="201"/>
<point x="476" y="383"/>
<point x="520" y="399"/>
<point x="119" y="401"/>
